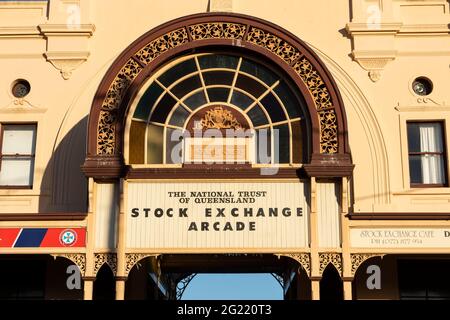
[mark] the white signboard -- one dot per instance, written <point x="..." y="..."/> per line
<point x="400" y="237"/>
<point x="217" y="215"/>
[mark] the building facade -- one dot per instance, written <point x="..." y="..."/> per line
<point x="142" y="142"/>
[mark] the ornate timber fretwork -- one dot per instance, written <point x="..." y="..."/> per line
<point x="358" y="258"/>
<point x="131" y="259"/>
<point x="217" y="30"/>
<point x="109" y="258"/>
<point x="219" y="118"/>
<point x="79" y="259"/>
<point x="302" y="258"/>
<point x="294" y="55"/>
<point x="164" y="43"/>
<point x="330" y="257"/>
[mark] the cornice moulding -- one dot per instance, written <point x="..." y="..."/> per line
<point x="20" y="32"/>
<point x="356" y="28"/>
<point x="67" y="30"/>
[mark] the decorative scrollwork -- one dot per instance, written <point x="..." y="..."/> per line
<point x="326" y="258"/>
<point x="302" y="258"/>
<point x="217" y="30"/>
<point x="106" y="133"/>
<point x="131" y="259"/>
<point x="314" y="82"/>
<point x="106" y="125"/>
<point x="157" y="47"/>
<point x="183" y="284"/>
<point x="79" y="259"/>
<point x="358" y="258"/>
<point x="219" y="118"/>
<point x="279" y="279"/>
<point x="101" y="258"/>
<point x="274" y="44"/>
<point x="328" y="129"/>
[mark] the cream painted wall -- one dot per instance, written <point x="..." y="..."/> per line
<point x="376" y="111"/>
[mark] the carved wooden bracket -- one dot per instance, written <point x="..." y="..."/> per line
<point x="303" y="259"/>
<point x="358" y="258"/>
<point x="329" y="257"/>
<point x="79" y="259"/>
<point x="131" y="259"/>
<point x="109" y="258"/>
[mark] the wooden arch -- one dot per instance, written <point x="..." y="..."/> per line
<point x="330" y="153"/>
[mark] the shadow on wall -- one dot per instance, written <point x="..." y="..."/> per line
<point x="64" y="187"/>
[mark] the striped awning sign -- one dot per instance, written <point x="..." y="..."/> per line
<point x="42" y="237"/>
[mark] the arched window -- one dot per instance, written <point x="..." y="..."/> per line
<point x="217" y="108"/>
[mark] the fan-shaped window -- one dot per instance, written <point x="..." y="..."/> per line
<point x="220" y="108"/>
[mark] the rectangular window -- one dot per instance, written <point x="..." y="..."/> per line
<point x="18" y="143"/>
<point x="426" y="154"/>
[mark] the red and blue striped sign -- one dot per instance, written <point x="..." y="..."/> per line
<point x="42" y="237"/>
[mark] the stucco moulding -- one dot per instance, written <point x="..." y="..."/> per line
<point x="21" y="105"/>
<point x="66" y="62"/>
<point x="423" y="104"/>
<point x="374" y="61"/>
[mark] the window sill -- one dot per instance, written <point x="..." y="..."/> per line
<point x="424" y="191"/>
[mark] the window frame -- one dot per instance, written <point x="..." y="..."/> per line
<point x="18" y="156"/>
<point x="303" y="120"/>
<point x="443" y="154"/>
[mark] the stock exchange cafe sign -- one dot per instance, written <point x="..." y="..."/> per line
<point x="217" y="215"/>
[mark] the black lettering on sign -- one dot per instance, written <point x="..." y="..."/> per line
<point x="192" y="227"/>
<point x="134" y="212"/>
<point x="447" y="234"/>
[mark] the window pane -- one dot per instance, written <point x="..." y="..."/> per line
<point x="430" y="137"/>
<point x="163" y="109"/>
<point x="137" y="142"/>
<point x="289" y="100"/>
<point x="19" y="139"/>
<point x="276" y="113"/>
<point x="297" y="143"/>
<point x="171" y="146"/>
<point x="155" y="142"/>
<point x="218" y="94"/>
<point x="196" y="100"/>
<point x="415" y="169"/>
<point x="16" y="172"/>
<point x="241" y="100"/>
<point x="179" y="117"/>
<point x="186" y="86"/>
<point x="218" y="61"/>
<point x="147" y="102"/>
<point x="258" y="71"/>
<point x="432" y="169"/>
<point x="250" y="85"/>
<point x="263" y="145"/>
<point x="283" y="143"/>
<point x="218" y="77"/>
<point x="177" y="72"/>
<point x="413" y="137"/>
<point x="257" y="116"/>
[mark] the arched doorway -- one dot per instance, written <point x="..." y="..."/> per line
<point x="168" y="277"/>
